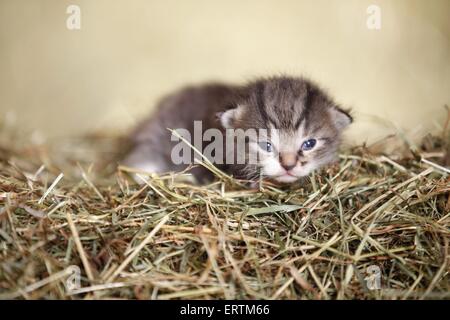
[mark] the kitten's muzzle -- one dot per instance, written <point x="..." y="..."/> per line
<point x="288" y="160"/>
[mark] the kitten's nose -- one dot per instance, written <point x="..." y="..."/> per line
<point x="288" y="160"/>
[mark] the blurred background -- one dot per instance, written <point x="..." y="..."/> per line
<point x="127" y="54"/>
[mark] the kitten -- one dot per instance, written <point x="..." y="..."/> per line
<point x="301" y="125"/>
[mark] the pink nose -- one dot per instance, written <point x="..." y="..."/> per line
<point x="288" y="167"/>
<point x="288" y="160"/>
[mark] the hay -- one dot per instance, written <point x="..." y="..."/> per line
<point x="68" y="205"/>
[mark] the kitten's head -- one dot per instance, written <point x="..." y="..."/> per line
<point x="303" y="125"/>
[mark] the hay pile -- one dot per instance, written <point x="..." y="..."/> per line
<point x="171" y="240"/>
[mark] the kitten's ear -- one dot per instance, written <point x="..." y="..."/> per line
<point x="341" y="118"/>
<point x="228" y="118"/>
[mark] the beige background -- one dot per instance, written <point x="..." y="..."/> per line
<point x="129" y="53"/>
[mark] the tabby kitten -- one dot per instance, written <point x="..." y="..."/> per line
<point x="301" y="125"/>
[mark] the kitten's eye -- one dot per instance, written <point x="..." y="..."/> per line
<point x="266" y="145"/>
<point x="309" y="144"/>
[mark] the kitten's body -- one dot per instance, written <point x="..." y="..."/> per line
<point x="298" y="109"/>
<point x="151" y="139"/>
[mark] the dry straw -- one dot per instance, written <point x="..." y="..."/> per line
<point x="167" y="239"/>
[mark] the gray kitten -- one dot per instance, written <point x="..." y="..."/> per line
<point x="303" y="128"/>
